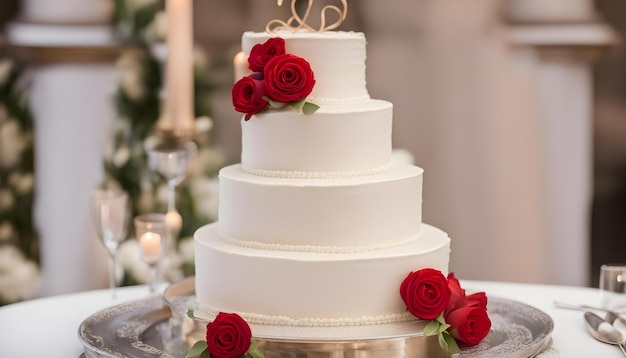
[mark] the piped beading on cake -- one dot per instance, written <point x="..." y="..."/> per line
<point x="256" y="318"/>
<point x="257" y="245"/>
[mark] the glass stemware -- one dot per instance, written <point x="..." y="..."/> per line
<point x="110" y="213"/>
<point x="172" y="162"/>
<point x="151" y="232"/>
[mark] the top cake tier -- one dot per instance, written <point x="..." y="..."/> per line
<point x="337" y="58"/>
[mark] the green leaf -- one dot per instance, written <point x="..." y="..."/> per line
<point x="275" y="104"/>
<point x="443" y="343"/>
<point x="309" y="108"/>
<point x="453" y="347"/>
<point x="253" y="351"/>
<point x="441" y="319"/>
<point x="190" y="312"/>
<point x="432" y="328"/>
<point x="197" y="350"/>
<point x="297" y="105"/>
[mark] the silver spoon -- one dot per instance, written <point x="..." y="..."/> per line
<point x="604" y="331"/>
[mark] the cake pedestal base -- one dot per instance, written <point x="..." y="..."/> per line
<point x="151" y="328"/>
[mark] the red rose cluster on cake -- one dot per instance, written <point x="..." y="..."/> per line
<point x="278" y="79"/>
<point x="429" y="295"/>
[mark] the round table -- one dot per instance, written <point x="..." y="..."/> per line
<point x="48" y="327"/>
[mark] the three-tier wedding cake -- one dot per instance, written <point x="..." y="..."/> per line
<point x="318" y="226"/>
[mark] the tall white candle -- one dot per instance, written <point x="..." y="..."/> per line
<point x="177" y="114"/>
<point x="150" y="246"/>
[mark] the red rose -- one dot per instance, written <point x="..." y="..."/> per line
<point x="262" y="53"/>
<point x="426" y="293"/>
<point x="459" y="299"/>
<point x="469" y="325"/>
<point x="248" y="95"/>
<point x="288" y="78"/>
<point x="228" y="336"/>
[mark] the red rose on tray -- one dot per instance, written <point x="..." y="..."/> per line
<point x="458" y="298"/>
<point x="262" y="53"/>
<point x="426" y="293"/>
<point x="248" y="95"/>
<point x="452" y="315"/>
<point x="288" y="78"/>
<point x="466" y="315"/>
<point x="228" y="336"/>
<point x="469" y="325"/>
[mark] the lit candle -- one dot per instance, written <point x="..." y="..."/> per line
<point x="241" y="65"/>
<point x="150" y="246"/>
<point x="177" y="115"/>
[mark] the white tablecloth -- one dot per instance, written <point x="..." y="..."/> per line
<point x="48" y="327"/>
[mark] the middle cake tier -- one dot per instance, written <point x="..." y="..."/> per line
<point x="334" y="142"/>
<point x="355" y="214"/>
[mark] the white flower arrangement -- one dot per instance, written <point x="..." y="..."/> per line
<point x="19" y="244"/>
<point x="19" y="276"/>
<point x="138" y="98"/>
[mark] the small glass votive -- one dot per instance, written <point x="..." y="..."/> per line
<point x="151" y="232"/>
<point x="613" y="286"/>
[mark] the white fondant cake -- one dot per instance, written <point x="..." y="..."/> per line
<point x="317" y="225"/>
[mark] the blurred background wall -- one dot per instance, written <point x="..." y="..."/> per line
<point x="524" y="149"/>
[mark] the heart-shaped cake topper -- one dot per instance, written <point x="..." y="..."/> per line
<point x="297" y="22"/>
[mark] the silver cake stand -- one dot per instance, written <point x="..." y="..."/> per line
<point x="159" y="327"/>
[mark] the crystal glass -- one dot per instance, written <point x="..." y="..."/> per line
<point x="613" y="286"/>
<point x="173" y="164"/>
<point x="110" y="212"/>
<point x="151" y="232"/>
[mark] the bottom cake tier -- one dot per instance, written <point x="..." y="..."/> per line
<point x="310" y="289"/>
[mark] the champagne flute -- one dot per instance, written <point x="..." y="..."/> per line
<point x="110" y="213"/>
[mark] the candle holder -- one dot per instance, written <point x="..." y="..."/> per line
<point x="172" y="163"/>
<point x="151" y="232"/>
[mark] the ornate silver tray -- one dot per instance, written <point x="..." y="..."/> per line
<point x="159" y="327"/>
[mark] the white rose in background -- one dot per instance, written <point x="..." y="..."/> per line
<point x="22" y="182"/>
<point x="12" y="143"/>
<point x="19" y="277"/>
<point x="6" y="232"/>
<point x="6" y="67"/>
<point x="121" y="156"/>
<point x="133" y="76"/>
<point x="157" y="28"/>
<point x="7" y="199"/>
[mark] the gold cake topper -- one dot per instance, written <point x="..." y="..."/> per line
<point x="297" y="22"/>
